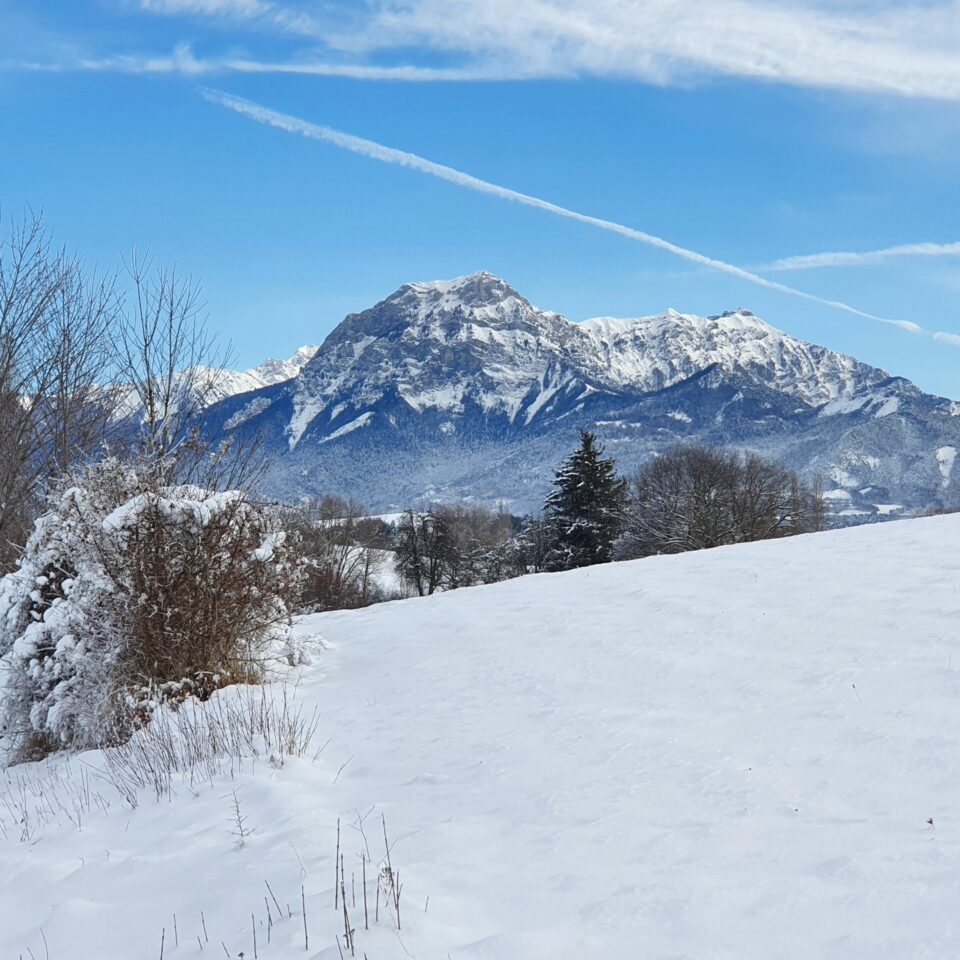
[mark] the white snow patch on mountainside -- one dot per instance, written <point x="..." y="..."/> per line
<point x="305" y="410"/>
<point x="254" y="408"/>
<point x="741" y="753"/>
<point x="361" y="421"/>
<point x="946" y="457"/>
<point x="881" y="404"/>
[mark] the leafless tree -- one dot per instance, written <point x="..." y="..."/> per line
<point x="477" y="544"/>
<point x="171" y="369"/>
<point x="529" y="548"/>
<point x="54" y="367"/>
<point x="424" y="550"/>
<point x="694" y="497"/>
<point x="343" y="549"/>
<point x="453" y="545"/>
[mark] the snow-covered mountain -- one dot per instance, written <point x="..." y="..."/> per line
<point x="209" y="385"/>
<point x="444" y="345"/>
<point x="230" y="383"/>
<point x="463" y="388"/>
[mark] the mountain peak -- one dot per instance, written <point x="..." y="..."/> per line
<point x="437" y="307"/>
<point x="481" y="289"/>
<point x="474" y="343"/>
<point x="273" y="370"/>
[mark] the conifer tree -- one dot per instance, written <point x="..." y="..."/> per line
<point x="586" y="508"/>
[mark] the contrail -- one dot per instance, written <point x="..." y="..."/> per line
<point x="378" y="151"/>
<point x="853" y="259"/>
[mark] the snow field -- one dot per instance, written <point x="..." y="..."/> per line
<point x="740" y="753"/>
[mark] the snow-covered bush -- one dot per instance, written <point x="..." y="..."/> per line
<point x="131" y="592"/>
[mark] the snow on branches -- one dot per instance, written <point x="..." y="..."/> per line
<point x="130" y="592"/>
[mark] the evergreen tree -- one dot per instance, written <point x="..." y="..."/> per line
<point x="586" y="508"/>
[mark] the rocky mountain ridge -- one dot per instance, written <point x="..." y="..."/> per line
<point x="463" y="388"/>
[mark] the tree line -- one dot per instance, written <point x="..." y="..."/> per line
<point x="689" y="498"/>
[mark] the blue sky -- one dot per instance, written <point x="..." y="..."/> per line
<point x="748" y="131"/>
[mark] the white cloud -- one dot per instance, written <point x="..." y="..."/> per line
<point x="377" y="151"/>
<point x="261" y="12"/>
<point x="856" y="45"/>
<point x="866" y="45"/>
<point x="952" y="338"/>
<point x="878" y="46"/>
<point x="852" y="259"/>
<point x="183" y="61"/>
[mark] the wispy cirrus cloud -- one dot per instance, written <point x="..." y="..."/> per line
<point x="182" y="60"/>
<point x="856" y="45"/>
<point x="873" y="46"/>
<point x="847" y="258"/>
<point x="238" y="8"/>
<point x="280" y="17"/>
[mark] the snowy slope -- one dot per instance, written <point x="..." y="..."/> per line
<point x="739" y="754"/>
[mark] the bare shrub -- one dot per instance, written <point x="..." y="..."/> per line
<point x="208" y="578"/>
<point x="200" y="741"/>
<point x="344" y="551"/>
<point x="35" y="797"/>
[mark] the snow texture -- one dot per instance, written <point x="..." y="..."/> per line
<point x="740" y="754"/>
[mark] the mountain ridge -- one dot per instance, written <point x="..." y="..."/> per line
<point x="408" y="398"/>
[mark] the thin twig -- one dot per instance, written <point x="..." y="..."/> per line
<point x="366" y="918"/>
<point x="342" y="765"/>
<point x="272" y="897"/>
<point x="303" y="904"/>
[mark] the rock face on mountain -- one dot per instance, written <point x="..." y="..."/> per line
<point x="463" y="388"/>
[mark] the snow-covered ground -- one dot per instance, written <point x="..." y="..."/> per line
<point x="749" y="752"/>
